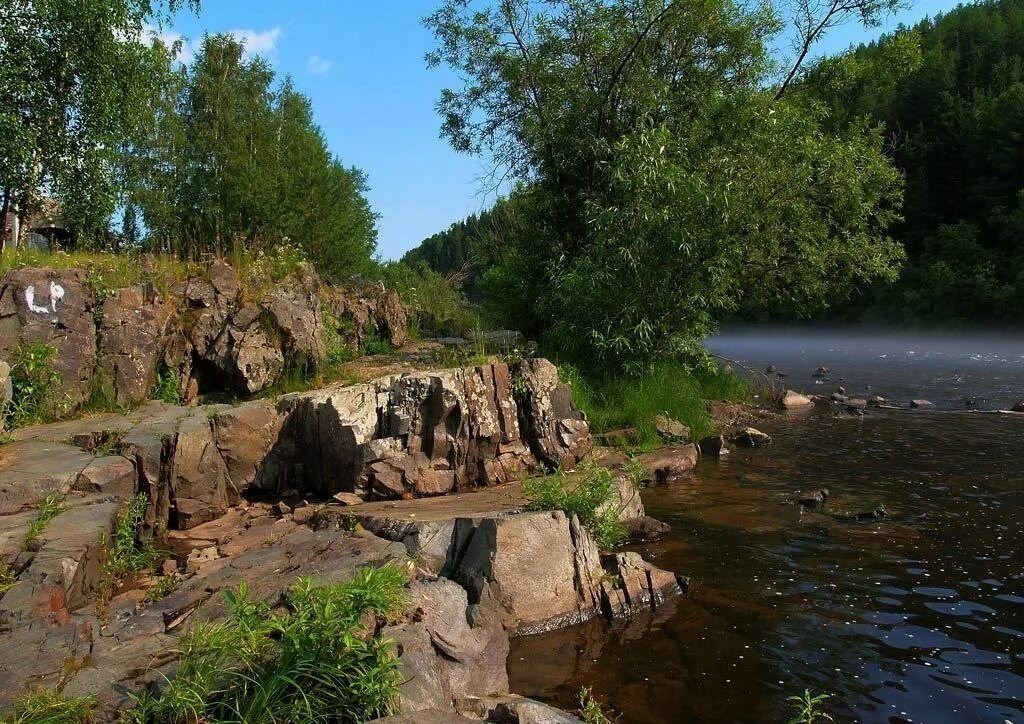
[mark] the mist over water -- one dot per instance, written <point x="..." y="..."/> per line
<point x="919" y="617"/>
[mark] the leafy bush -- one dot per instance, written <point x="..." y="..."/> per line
<point x="49" y="508"/>
<point x="425" y="290"/>
<point x="670" y="388"/>
<point x="374" y="344"/>
<point x="47" y="706"/>
<point x="125" y="555"/>
<point x="313" y="663"/>
<point x="33" y="382"/>
<point x="593" y="498"/>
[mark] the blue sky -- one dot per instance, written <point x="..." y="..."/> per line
<point x="362" y="65"/>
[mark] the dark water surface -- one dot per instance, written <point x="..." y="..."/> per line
<point x="916" y="618"/>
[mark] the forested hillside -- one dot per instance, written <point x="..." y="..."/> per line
<point x="955" y="124"/>
<point x="949" y="94"/>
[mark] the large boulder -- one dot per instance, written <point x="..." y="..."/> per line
<point x="53" y="307"/>
<point x="559" y="434"/>
<point x="132" y="336"/>
<point x="199" y="476"/>
<point x="364" y="308"/>
<point x="428" y="433"/>
<point x="294" y="305"/>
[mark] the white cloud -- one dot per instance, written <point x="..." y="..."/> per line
<point x="318" y="66"/>
<point x="258" y="42"/>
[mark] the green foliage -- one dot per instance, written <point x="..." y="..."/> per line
<point x="76" y="77"/>
<point x="165" y="585"/>
<point x="165" y="387"/>
<point x="591" y="495"/>
<point x="47" y="706"/>
<point x="313" y="663"/>
<point x="950" y="93"/>
<point x="426" y="290"/>
<point x="651" y="208"/>
<point x="374" y="344"/>
<point x="125" y="554"/>
<point x="590" y="708"/>
<point x="7" y="578"/>
<point x="48" y="508"/>
<point x="33" y="381"/>
<point x="338" y="350"/>
<point x="233" y="164"/>
<point x="614" y="402"/>
<point x="810" y="709"/>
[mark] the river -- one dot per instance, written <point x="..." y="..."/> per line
<point x="916" y="618"/>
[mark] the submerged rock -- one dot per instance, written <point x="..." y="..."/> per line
<point x="644" y="528"/>
<point x="921" y="403"/>
<point x="670" y="463"/>
<point x="822" y="372"/>
<point x="812" y="500"/>
<point x="713" y="446"/>
<point x="795" y="401"/>
<point x="751" y="437"/>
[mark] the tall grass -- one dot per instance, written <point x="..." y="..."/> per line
<point x="632" y="401"/>
<point x="49" y="508"/>
<point x="318" y="661"/>
<point x="48" y="706"/>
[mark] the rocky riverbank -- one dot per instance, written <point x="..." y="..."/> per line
<point x="267" y="492"/>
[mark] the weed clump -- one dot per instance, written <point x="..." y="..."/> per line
<point x="590" y="708"/>
<point x="34" y="381"/>
<point x="49" y="508"/>
<point x="593" y="498"/>
<point x="7" y="578"/>
<point x="314" y="662"/>
<point x="125" y="555"/>
<point x="809" y="708"/>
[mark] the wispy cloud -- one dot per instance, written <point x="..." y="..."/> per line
<point x="258" y="42"/>
<point x="318" y="66"/>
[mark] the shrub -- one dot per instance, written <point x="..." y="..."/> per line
<point x="670" y="388"/>
<point x="315" y="662"/>
<point x="374" y="344"/>
<point x="424" y="289"/>
<point x="49" y="508"/>
<point x="47" y="706"/>
<point x="33" y="382"/>
<point x="592" y="497"/>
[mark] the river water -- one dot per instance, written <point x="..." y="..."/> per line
<point x="915" y="618"/>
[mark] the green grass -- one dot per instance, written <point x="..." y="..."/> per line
<point x="34" y="381"/>
<point x="314" y="662"/>
<point x="668" y="388"/>
<point x="592" y="496"/>
<point x="124" y="553"/>
<point x="49" y="508"/>
<point x="165" y="386"/>
<point x="47" y="706"/>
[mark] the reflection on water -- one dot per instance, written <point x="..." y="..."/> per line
<point x="916" y="618"/>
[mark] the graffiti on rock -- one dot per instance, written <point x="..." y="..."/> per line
<point x="56" y="295"/>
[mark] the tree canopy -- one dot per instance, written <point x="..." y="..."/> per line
<point x="663" y="179"/>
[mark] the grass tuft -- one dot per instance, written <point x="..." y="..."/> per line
<point x="49" y="508"/>
<point x="810" y="708"/>
<point x="7" y="578"/>
<point x="667" y="388"/>
<point x="592" y="497"/>
<point x="47" y="706"/>
<point x="315" y="662"/>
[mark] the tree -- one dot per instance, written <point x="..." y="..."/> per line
<point x="73" y="84"/>
<point x="233" y="163"/>
<point x="662" y="181"/>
